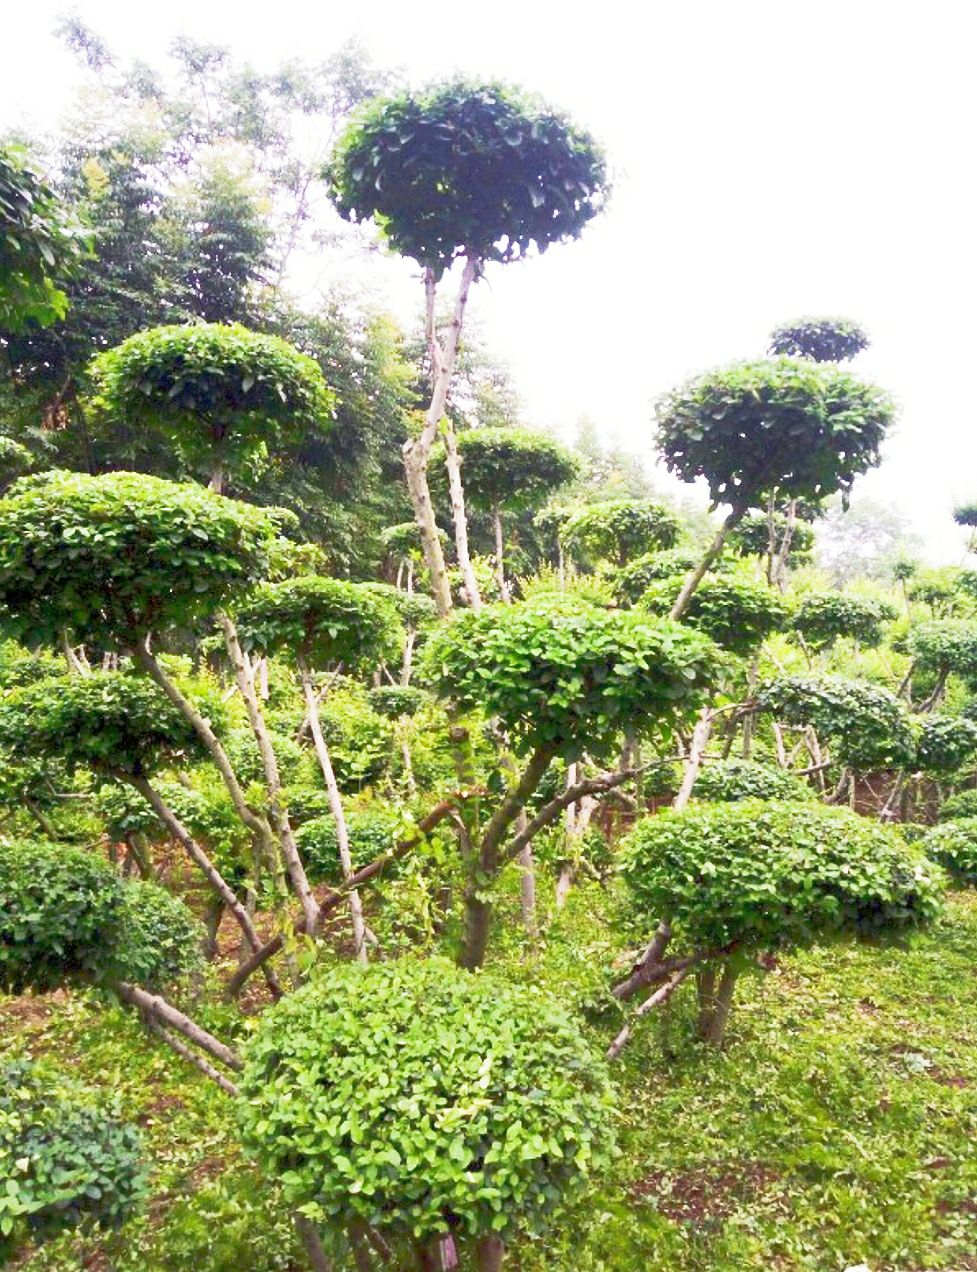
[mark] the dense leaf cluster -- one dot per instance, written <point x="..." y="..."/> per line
<point x="737" y="612"/>
<point x="631" y="581"/>
<point x="824" y="617"/>
<point x="954" y="845"/>
<point x="423" y="1099"/>
<point x="945" y="743"/>
<point x="734" y="779"/>
<point x="946" y="645"/>
<point x="512" y="468"/>
<point x="569" y="677"/>
<point x="820" y="339"/>
<point x="372" y="832"/>
<point x="763" y="874"/>
<point x="959" y="804"/>
<point x="619" y="530"/>
<point x="467" y="169"/>
<point x="752" y="537"/>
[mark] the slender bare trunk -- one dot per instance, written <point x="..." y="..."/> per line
<point x="708" y="557"/>
<point x="527" y="886"/>
<point x="459" y="518"/>
<point x="335" y="807"/>
<point x="716" y="1028"/>
<point x="407" y="665"/>
<point x="319" y="1261"/>
<point x="503" y="586"/>
<point x="489" y="1254"/>
<point x="171" y="1017"/>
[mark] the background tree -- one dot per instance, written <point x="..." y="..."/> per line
<point x="618" y="530"/>
<point x="820" y="339"/>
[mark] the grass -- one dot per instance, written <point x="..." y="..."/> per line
<point x="836" y="1128"/>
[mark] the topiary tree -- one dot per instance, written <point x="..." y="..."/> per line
<point x="760" y="534"/>
<point x="476" y="172"/>
<point x="824" y="617"/>
<point x="67" y="1159"/>
<point x="959" y="804"/>
<point x="779" y="429"/>
<point x="618" y="530"/>
<point x="944" y="647"/>
<point x="324" y="623"/>
<point x="724" y="781"/>
<point x="738" y="613"/>
<point x="945" y="743"/>
<point x="631" y="582"/>
<point x="41" y="245"/>
<point x="511" y="470"/>
<point x="820" y="339"/>
<point x="223" y="396"/>
<point x="954" y="845"/>
<point x="738" y="879"/>
<point x="561" y="677"/>
<point x="491" y="1142"/>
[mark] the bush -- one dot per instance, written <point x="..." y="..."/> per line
<point x="768" y="874"/>
<point x="564" y="675"/>
<point x="821" y="339"/>
<point x="114" y="557"/>
<point x="508" y="468"/>
<point x="418" y="1097"/>
<point x="960" y="804"/>
<point x="954" y="845"/>
<point x="62" y="912"/>
<point x="823" y="618"/>
<point x="633" y="580"/>
<point x="371" y="833"/>
<point x="737" y="613"/>
<point x="946" y="645"/>
<point x="65" y="1157"/>
<point x="395" y="701"/>
<point x="945" y="743"/>
<point x="620" y="529"/>
<point x="159" y="939"/>
<point x="752" y="536"/>
<point x="868" y="726"/>
<point x="728" y="780"/>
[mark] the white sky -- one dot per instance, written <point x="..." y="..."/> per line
<point x="771" y="160"/>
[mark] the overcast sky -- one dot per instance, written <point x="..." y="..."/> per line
<point x="770" y="160"/>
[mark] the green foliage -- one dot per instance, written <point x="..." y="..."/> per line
<point x="326" y="621"/>
<point x="394" y="701"/>
<point x="112" y="558"/>
<point x="66" y="1159"/>
<point x="512" y="468"/>
<point x="959" y="804"/>
<point x="757" y="428"/>
<point x="632" y="581"/>
<point x="467" y="169"/>
<point x="824" y="617"/>
<point x="752" y="536"/>
<point x="40" y="245"/>
<point x="21" y="666"/>
<point x="360" y="740"/>
<point x="107" y="720"/>
<point x="942" y="588"/>
<point x="159" y="941"/>
<point x="737" y="612"/>
<point x="61" y="915"/>
<point x="342" y="1103"/>
<point x="821" y="339"/>
<point x="868" y="727"/>
<point x="218" y="393"/>
<point x="946" y="645"/>
<point x="570" y="677"/>
<point x="965" y="514"/>
<point x="954" y="845"/>
<point x="762" y="875"/>
<point x="294" y="759"/>
<point x="372" y="832"/>
<point x="619" y="530"/>
<point x="734" y="779"/>
<point x="945" y="743"/>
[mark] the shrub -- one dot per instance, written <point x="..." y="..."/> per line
<point x="868" y="726"/>
<point x="371" y="833"/>
<point x="114" y="557"/>
<point x="945" y="743"/>
<point x="418" y="1097"/>
<point x="946" y="645"/>
<point x="242" y="750"/>
<point x="159" y="939"/>
<point x="360" y="740"/>
<point x="510" y="468"/>
<point x="737" y="613"/>
<point x="768" y="874"/>
<point x="728" y="780"/>
<point x="752" y="536"/>
<point x="467" y="169"/>
<point x="394" y="701"/>
<point x="620" y="529"/>
<point x="821" y="339"/>
<point x="65" y="1157"/>
<point x="633" y="580"/>
<point x="960" y="804"/>
<point x="62" y="911"/>
<point x="954" y="845"/>
<point x="567" y="676"/>
<point x="822" y="618"/>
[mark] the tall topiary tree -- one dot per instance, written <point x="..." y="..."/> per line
<point x="223" y="396"/>
<point x="470" y="172"/>
<point x="619" y="530"/>
<point x="772" y="429"/>
<point x="820" y="339"/>
<point x="825" y="617"/>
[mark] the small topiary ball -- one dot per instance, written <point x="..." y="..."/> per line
<point x="65" y="1157"/>
<point x="372" y="832"/>
<point x="954" y="845"/>
<point x="421" y="1099"/>
<point x="737" y="613"/>
<point x="394" y="701"/>
<point x="820" y="339"/>
<point x="960" y="804"/>
<point x="160" y="940"/>
<point x="724" y="781"/>
<point x="760" y="874"/>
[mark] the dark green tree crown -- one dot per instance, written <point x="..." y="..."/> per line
<point x="820" y="339"/>
<point x="965" y="514"/>
<point x="463" y="168"/>
<point x="737" y="612"/>
<point x="824" y="617"/>
<point x="621" y="529"/>
<point x="114" y="557"/>
<point x="512" y="468"/>
<point x="779" y="426"/>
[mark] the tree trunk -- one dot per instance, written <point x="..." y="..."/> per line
<point x="705" y="985"/>
<point x="489" y="1253"/>
<point x="458" y="516"/>
<point x="711" y="553"/>
<point x="335" y="807"/>
<point x="527" y="889"/>
<point x="418" y="449"/>
<point x="171" y="1017"/>
<point x="716" y="1028"/>
<point x="318" y="1259"/>
<point x="503" y="586"/>
<point x="407" y="665"/>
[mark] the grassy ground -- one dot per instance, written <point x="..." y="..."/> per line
<point x="838" y="1127"/>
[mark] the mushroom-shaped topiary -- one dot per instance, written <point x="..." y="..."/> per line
<point x="484" y="1137"/>
<point x="752" y="876"/>
<point x="820" y="339"/>
<point x="945" y="743"/>
<point x="944" y="646"/>
<point x="954" y="845"/>
<point x="66" y="1157"/>
<point x="223" y="396"/>
<point x="114" y="557"/>
<point x="779" y="428"/>
<point x="965" y="514"/>
<point x="959" y="804"/>
<point x="632" y="581"/>
<point x="724" y="781"/>
<point x="737" y="612"/>
<point x="618" y="530"/>
<point x="824" y="617"/>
